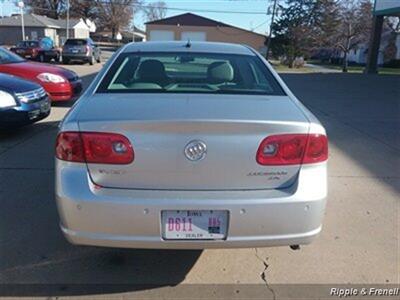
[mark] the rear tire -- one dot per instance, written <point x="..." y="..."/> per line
<point x="91" y="60"/>
<point x="42" y="58"/>
<point x="98" y="60"/>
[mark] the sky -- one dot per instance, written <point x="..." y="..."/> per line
<point x="258" y="22"/>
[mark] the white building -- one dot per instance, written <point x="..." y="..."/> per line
<point x="389" y="49"/>
<point x="37" y="26"/>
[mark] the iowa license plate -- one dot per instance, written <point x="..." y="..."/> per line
<point x="194" y="224"/>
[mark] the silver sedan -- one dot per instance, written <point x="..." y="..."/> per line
<point x="190" y="146"/>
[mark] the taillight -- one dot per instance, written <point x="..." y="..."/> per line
<point x="94" y="147"/>
<point x="293" y="149"/>
<point x="317" y="149"/>
<point x="69" y="147"/>
<point x="87" y="49"/>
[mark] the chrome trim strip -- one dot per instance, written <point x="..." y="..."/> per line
<point x="31" y="96"/>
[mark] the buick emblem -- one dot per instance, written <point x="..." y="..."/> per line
<point x="195" y="150"/>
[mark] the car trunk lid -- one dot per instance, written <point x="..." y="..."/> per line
<point x="161" y="126"/>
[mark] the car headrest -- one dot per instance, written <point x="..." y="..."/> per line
<point x="150" y="70"/>
<point x="219" y="72"/>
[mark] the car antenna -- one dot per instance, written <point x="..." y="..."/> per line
<point x="188" y="44"/>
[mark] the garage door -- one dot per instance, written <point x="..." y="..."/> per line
<point x="193" y="36"/>
<point x="161" y="35"/>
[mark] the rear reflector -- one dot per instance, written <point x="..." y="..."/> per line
<point x="293" y="149"/>
<point x="94" y="147"/>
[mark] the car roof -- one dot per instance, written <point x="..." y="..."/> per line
<point x="29" y="41"/>
<point x="181" y="46"/>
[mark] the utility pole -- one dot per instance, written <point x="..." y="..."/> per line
<point x="2" y="4"/>
<point x="67" y="19"/>
<point x="270" y="29"/>
<point x="21" y="10"/>
<point x="133" y="23"/>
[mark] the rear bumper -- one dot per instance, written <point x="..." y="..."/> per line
<point x="151" y="242"/>
<point x="76" y="56"/>
<point x="131" y="218"/>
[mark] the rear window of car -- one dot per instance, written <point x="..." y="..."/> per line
<point x="76" y="42"/>
<point x="32" y="44"/>
<point x="144" y="72"/>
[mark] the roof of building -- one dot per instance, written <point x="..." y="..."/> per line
<point x="189" y="19"/>
<point x="387" y="8"/>
<point x="108" y="33"/>
<point x="180" y="46"/>
<point x="33" y="20"/>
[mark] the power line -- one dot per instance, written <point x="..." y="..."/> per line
<point x="194" y="10"/>
<point x="176" y="9"/>
<point x="258" y="26"/>
<point x="171" y="8"/>
<point x="216" y="11"/>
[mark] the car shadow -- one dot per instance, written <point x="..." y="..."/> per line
<point x="86" y="80"/>
<point x="36" y="260"/>
<point x="361" y="115"/>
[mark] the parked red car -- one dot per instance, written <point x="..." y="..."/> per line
<point x="33" y="50"/>
<point x="60" y="84"/>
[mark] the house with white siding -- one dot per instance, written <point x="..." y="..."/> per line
<point x="389" y="50"/>
<point x="37" y="27"/>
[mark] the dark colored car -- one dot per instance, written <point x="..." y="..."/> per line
<point x="22" y="102"/>
<point x="33" y="50"/>
<point x="60" y="84"/>
<point x="81" y="50"/>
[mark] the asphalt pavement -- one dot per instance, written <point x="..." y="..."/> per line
<point x="359" y="243"/>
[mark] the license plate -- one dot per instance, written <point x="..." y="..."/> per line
<point x="34" y="114"/>
<point x="74" y="50"/>
<point x="44" y="107"/>
<point x="194" y="224"/>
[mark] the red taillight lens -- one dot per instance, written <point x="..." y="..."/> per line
<point x="69" y="147"/>
<point x="317" y="149"/>
<point x="292" y="149"/>
<point x="107" y="148"/>
<point x="94" y="147"/>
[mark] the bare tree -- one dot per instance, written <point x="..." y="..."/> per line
<point x="155" y="11"/>
<point x="115" y="15"/>
<point x="51" y="8"/>
<point x="393" y="23"/>
<point x="355" y="26"/>
<point x="83" y="9"/>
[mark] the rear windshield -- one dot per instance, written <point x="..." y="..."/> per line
<point x="76" y="42"/>
<point x="189" y="73"/>
<point x="32" y="44"/>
